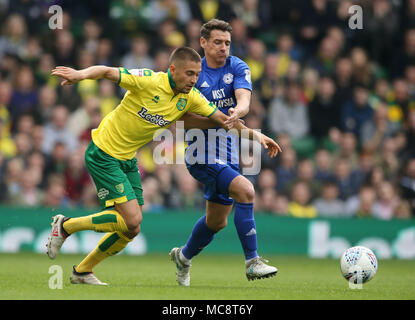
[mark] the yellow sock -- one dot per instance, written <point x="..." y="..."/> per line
<point x="105" y="221"/>
<point x="109" y="245"/>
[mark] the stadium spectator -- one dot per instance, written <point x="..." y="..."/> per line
<point x="324" y="61"/>
<point x="64" y="49"/>
<point x="374" y="131"/>
<point x="347" y="148"/>
<point x="328" y="204"/>
<point x="324" y="111"/>
<point x="29" y="195"/>
<point x="55" y="193"/>
<point x="108" y="97"/>
<point x="400" y="106"/>
<point x="300" y="206"/>
<point x="239" y="45"/>
<point x="266" y="86"/>
<point x="138" y="57"/>
<point x="356" y="111"/>
<point x="204" y="10"/>
<point x="46" y="102"/>
<point x="37" y="138"/>
<point x="255" y="58"/>
<point x="161" y="60"/>
<point x="267" y="200"/>
<point x="248" y="11"/>
<point x="91" y="32"/>
<point x="289" y="114"/>
<point x="323" y="166"/>
<point x="192" y="34"/>
<point x="153" y="202"/>
<point x="343" y="79"/>
<point x="37" y="161"/>
<point x="347" y="180"/>
<point x="57" y="161"/>
<point x="267" y="179"/>
<point x="286" y="53"/>
<point x="14" y="169"/>
<point x="382" y="19"/>
<point x="286" y="171"/>
<point x="7" y="144"/>
<point x="362" y="204"/>
<point x="57" y="131"/>
<point x="23" y="145"/>
<point x="104" y="54"/>
<point x="386" y="203"/>
<point x="309" y="81"/>
<point x="14" y="38"/>
<point x="409" y="149"/>
<point x="281" y="204"/>
<point x="405" y="56"/>
<point x="403" y="210"/>
<point x="407" y="184"/>
<point x="5" y="96"/>
<point x="80" y="119"/>
<point x="25" y="124"/>
<point x="305" y="173"/>
<point x="159" y="10"/>
<point x="387" y="158"/>
<point x="363" y="68"/>
<point x="76" y="176"/>
<point x="25" y="96"/>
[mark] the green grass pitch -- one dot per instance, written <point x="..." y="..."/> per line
<point x="214" y="277"/>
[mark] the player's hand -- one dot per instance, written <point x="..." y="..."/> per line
<point x="269" y="144"/>
<point x="233" y="118"/>
<point x="69" y="75"/>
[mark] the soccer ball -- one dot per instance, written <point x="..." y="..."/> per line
<point x="358" y="264"/>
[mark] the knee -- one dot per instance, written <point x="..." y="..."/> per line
<point x="221" y="225"/>
<point x="246" y="194"/>
<point x="133" y="231"/>
<point x="133" y="225"/>
<point x="217" y="225"/>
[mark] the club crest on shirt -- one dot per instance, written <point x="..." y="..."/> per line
<point x="181" y="104"/>
<point x="228" y="78"/>
<point x="120" y="188"/>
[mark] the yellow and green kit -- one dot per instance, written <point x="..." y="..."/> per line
<point x="148" y="107"/>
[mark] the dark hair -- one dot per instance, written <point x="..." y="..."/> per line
<point x="184" y="53"/>
<point x="214" y="24"/>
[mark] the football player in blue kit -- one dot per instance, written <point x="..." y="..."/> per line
<point x="226" y="81"/>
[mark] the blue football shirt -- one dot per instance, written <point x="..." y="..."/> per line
<point x="218" y="85"/>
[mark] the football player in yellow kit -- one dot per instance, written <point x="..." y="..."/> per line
<point x="153" y="100"/>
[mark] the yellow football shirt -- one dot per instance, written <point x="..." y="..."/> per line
<point x="148" y="106"/>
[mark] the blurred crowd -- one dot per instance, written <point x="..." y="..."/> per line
<point x="340" y="101"/>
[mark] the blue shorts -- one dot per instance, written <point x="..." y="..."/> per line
<point x="216" y="179"/>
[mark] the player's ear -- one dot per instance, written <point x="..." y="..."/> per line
<point x="172" y="69"/>
<point x="203" y="42"/>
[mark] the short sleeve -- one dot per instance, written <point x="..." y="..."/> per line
<point x="242" y="76"/>
<point x="200" y="105"/>
<point x="135" y="78"/>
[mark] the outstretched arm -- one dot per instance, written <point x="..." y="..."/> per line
<point x="72" y="76"/>
<point x="195" y="121"/>
<point x="268" y="143"/>
<point x="243" y="99"/>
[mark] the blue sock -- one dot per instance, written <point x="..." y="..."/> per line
<point x="201" y="236"/>
<point x="245" y="226"/>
